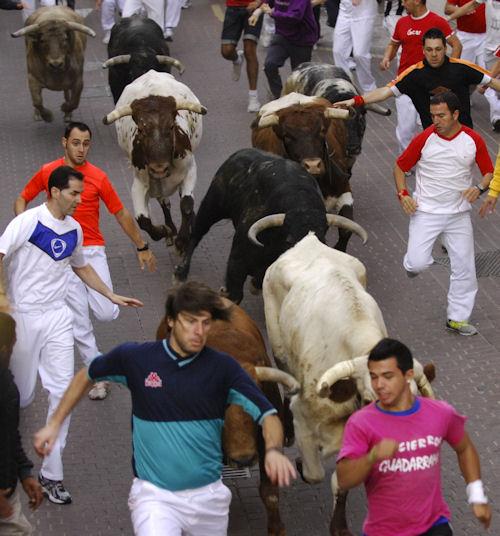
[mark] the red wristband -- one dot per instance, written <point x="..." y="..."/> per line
<point x="358" y="101"/>
<point x="403" y="193"/>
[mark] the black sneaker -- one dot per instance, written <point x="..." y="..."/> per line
<point x="54" y="490"/>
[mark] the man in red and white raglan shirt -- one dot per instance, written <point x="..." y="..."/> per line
<point x="408" y="35"/>
<point x="97" y="187"/>
<point x="444" y="155"/>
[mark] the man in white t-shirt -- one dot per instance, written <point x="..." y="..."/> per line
<point x="38" y="245"/>
<point x="445" y="154"/>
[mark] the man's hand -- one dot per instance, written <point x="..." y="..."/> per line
<point x="44" y="439"/>
<point x="408" y="204"/>
<point x="147" y="258"/>
<point x="6" y="509"/>
<point x="279" y="469"/>
<point x="124" y="301"/>
<point x="253" y="5"/>
<point x="488" y="206"/>
<point x="471" y="194"/>
<point x="34" y="491"/>
<point x="343" y="104"/>
<point x="385" y="449"/>
<point x="266" y="9"/>
<point x="483" y="514"/>
<point x="385" y="64"/>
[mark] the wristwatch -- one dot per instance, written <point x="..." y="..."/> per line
<point x="144" y="248"/>
<point x="481" y="189"/>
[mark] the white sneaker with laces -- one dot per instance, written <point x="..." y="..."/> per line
<point x="253" y="105"/>
<point x="237" y="64"/>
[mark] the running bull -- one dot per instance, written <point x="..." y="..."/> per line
<point x="242" y="439"/>
<point x="264" y="195"/>
<point x="55" y="48"/>
<point x="321" y="324"/>
<point x="135" y="47"/>
<point x="158" y="123"/>
<point x="311" y="132"/>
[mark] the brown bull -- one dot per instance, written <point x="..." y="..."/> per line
<point x="242" y="439"/>
<point x="55" y="47"/>
<point x="312" y="134"/>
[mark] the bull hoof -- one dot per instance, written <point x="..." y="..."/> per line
<point x="169" y="241"/>
<point x="180" y="246"/>
<point x="66" y="108"/>
<point x="67" y="117"/>
<point x="157" y="232"/>
<point x="44" y="114"/>
<point x="180" y="273"/>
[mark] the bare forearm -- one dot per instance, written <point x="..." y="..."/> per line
<point x="456" y="46"/>
<point x="399" y="178"/>
<point x="74" y="393"/>
<point x="391" y="51"/>
<point x="89" y="276"/>
<point x="468" y="460"/>
<point x="463" y="10"/>
<point x="3" y="286"/>
<point x="20" y="205"/>
<point x="378" y="95"/>
<point x="352" y="473"/>
<point x="272" y="431"/>
<point x="129" y="225"/>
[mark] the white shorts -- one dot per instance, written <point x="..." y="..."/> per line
<point x="194" y="512"/>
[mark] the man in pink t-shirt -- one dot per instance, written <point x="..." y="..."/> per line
<point x="393" y="446"/>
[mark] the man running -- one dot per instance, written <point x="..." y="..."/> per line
<point x="97" y="187"/>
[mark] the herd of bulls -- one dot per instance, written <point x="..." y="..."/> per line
<point x="280" y="196"/>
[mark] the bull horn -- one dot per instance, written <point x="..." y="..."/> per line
<point x="116" y="60"/>
<point x="344" y="369"/>
<point x="195" y="107"/>
<point x="376" y="108"/>
<point x="270" y="374"/>
<point x="421" y="380"/>
<point x="273" y="220"/>
<point x="80" y="28"/>
<point x="339" y="113"/>
<point x="26" y="30"/>
<point x="116" y="114"/>
<point x="270" y="120"/>
<point x="346" y="223"/>
<point x="167" y="60"/>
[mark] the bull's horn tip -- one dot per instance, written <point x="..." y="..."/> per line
<point x="105" y="120"/>
<point x="203" y="110"/>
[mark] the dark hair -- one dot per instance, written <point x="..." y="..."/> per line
<point x="7" y="329"/>
<point x="387" y="348"/>
<point x="194" y="297"/>
<point x="434" y="33"/>
<point x="447" y="97"/>
<point x="76" y="124"/>
<point x="61" y="176"/>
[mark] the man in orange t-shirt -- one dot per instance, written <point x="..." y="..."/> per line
<point x="97" y="186"/>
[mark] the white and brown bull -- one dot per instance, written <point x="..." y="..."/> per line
<point x="321" y="324"/>
<point x="158" y="123"/>
<point x="243" y="443"/>
<point x="55" y="48"/>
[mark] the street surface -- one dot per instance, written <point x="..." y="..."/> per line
<point x="97" y="457"/>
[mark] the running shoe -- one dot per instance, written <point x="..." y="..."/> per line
<point x="253" y="104"/>
<point x="54" y="490"/>
<point x="462" y="328"/>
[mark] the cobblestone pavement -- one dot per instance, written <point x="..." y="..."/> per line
<point x="97" y="457"/>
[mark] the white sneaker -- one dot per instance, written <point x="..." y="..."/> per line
<point x="168" y="34"/>
<point x="253" y="105"/>
<point x="99" y="391"/>
<point x="186" y="4"/>
<point x="237" y="64"/>
<point x="106" y="37"/>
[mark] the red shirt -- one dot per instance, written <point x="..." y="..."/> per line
<point x="473" y="22"/>
<point x="409" y="32"/>
<point x="96" y="186"/>
<point x="237" y="3"/>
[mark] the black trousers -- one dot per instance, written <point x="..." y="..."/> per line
<point x="439" y="530"/>
<point x="278" y="52"/>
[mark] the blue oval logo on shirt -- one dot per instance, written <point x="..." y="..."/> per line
<point x="58" y="247"/>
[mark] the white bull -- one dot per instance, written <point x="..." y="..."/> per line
<point x="322" y="323"/>
<point x="158" y="123"/>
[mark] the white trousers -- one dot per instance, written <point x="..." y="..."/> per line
<point x="45" y="345"/>
<point x="173" y="13"/>
<point x="408" y="121"/>
<point x="16" y="524"/>
<point x="31" y="6"/>
<point x="389" y="24"/>
<point x="155" y="9"/>
<point x="108" y="8"/>
<point x="458" y="238"/>
<point x="80" y="298"/>
<point x="472" y="47"/>
<point x="355" y="35"/>
<point x="490" y="94"/>
<point x="195" y="512"/>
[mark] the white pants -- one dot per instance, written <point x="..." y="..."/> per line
<point x="389" y="24"/>
<point x="155" y="9"/>
<point x="108" y="8"/>
<point x="16" y="524"/>
<point x="355" y="35"/>
<point x="408" y="121"/>
<point x="31" y="6"/>
<point x="173" y="13"/>
<point x="45" y="345"/>
<point x="472" y="47"/>
<point x="490" y="94"/>
<point x="195" y="512"/>
<point x="458" y="238"/>
<point x="80" y="298"/>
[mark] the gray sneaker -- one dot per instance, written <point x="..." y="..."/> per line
<point x="237" y="64"/>
<point x="462" y="328"/>
<point x="54" y="490"/>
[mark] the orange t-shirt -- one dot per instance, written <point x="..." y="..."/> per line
<point x="96" y="185"/>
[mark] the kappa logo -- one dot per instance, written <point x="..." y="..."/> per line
<point x="58" y="247"/>
<point x="153" y="380"/>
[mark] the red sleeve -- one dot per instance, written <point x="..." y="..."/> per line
<point x="497" y="52"/>
<point x="483" y="159"/>
<point x="396" y="36"/>
<point x="453" y="2"/>
<point x="445" y="28"/>
<point x="36" y="185"/>
<point x="109" y="196"/>
<point x="412" y="153"/>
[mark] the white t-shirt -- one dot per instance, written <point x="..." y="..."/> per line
<point x="38" y="249"/>
<point x="364" y="10"/>
<point x="444" y="168"/>
<point x="492" y="24"/>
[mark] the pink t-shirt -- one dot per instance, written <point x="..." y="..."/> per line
<point x="404" y="492"/>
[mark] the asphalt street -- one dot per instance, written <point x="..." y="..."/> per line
<point x="97" y="457"/>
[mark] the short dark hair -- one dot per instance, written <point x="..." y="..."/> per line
<point x="194" y="297"/>
<point x="7" y="329"/>
<point x="61" y="176"/>
<point x="76" y="124"/>
<point x="434" y="33"/>
<point x="447" y="97"/>
<point x="387" y="348"/>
